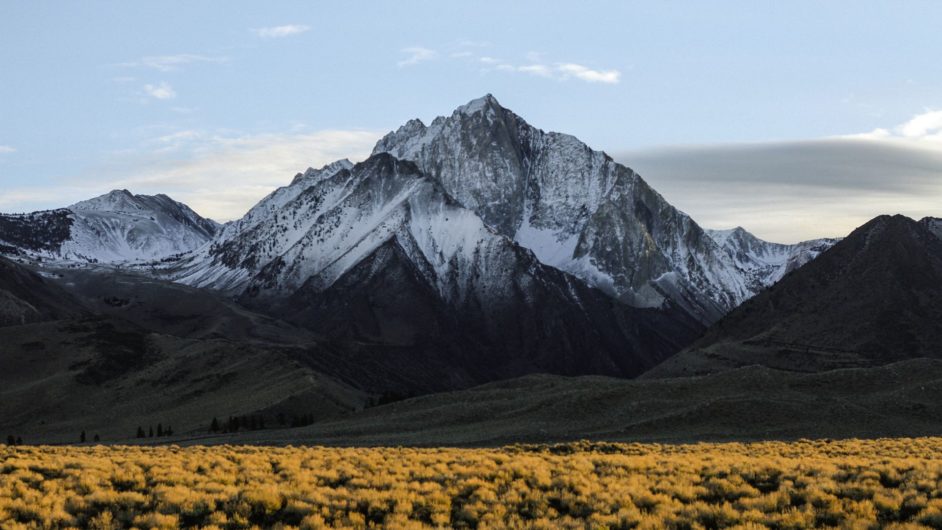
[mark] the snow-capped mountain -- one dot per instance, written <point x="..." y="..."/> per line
<point x="575" y="208"/>
<point x="764" y="263"/>
<point x="113" y="228"/>
<point x="424" y="269"/>
<point x="484" y="184"/>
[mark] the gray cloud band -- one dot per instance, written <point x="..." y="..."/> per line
<point x="796" y="190"/>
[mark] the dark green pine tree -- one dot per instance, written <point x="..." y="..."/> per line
<point x="140" y="432"/>
<point x="82" y="437"/>
<point x="214" y="426"/>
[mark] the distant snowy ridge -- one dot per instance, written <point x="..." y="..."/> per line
<point x="764" y="263"/>
<point x="116" y="227"/>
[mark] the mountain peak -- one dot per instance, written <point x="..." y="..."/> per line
<point x="118" y="199"/>
<point x="488" y="101"/>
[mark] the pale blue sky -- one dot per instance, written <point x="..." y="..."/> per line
<point x="218" y="102"/>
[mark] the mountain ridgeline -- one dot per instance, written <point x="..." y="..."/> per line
<point x="479" y="242"/>
<point x="874" y="298"/>
<point x="474" y="249"/>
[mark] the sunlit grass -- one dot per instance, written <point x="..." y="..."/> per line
<point x="845" y="484"/>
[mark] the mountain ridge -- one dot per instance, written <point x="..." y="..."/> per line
<point x="874" y="297"/>
<point x="112" y="228"/>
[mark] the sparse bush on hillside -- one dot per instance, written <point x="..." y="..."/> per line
<point x="806" y="484"/>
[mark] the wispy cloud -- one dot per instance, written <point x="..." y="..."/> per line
<point x="170" y="63"/>
<point x="416" y="55"/>
<point x="275" y="32"/>
<point x="537" y="66"/>
<point x="584" y="73"/>
<point x="161" y="91"/>
<point x="540" y="70"/>
<point x="5" y="149"/>
<point x="561" y="71"/>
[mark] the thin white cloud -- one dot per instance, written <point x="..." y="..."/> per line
<point x="558" y="71"/>
<point x="416" y="55"/>
<point x="161" y="91"/>
<point x="276" y="32"/>
<point x="540" y="70"/>
<point x="587" y="74"/>
<point x="5" y="149"/>
<point x="170" y="63"/>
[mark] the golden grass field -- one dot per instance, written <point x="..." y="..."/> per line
<point x="893" y="483"/>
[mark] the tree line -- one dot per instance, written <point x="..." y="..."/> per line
<point x="257" y="422"/>
<point x="149" y="433"/>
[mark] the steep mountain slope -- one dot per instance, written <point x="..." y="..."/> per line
<point x="380" y="252"/>
<point x="113" y="228"/>
<point x="933" y="224"/>
<point x="26" y="297"/>
<point x="575" y="208"/>
<point x="761" y="262"/>
<point x="875" y="297"/>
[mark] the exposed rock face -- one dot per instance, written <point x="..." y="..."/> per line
<point x="933" y="224"/>
<point x="575" y="208"/>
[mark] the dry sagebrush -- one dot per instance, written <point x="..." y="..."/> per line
<point x="806" y="484"/>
